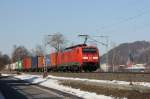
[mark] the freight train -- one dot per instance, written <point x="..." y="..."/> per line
<point x="75" y="58"/>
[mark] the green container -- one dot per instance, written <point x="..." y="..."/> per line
<point x="20" y="64"/>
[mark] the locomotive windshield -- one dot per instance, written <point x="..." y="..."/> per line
<point x="89" y="50"/>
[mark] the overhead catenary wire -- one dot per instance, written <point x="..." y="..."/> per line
<point x="98" y="41"/>
<point x="127" y="19"/>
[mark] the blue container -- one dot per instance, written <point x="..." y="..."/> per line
<point x="34" y="62"/>
<point x="48" y="62"/>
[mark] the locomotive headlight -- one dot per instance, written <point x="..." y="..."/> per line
<point x="85" y="57"/>
<point x="95" y="57"/>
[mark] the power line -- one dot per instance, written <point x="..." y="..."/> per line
<point x="98" y="41"/>
<point x="126" y="19"/>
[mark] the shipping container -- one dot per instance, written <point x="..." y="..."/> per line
<point x="34" y="62"/>
<point x="53" y="58"/>
<point x="27" y="63"/>
<point x="41" y="61"/>
<point x="19" y="65"/>
<point x="13" y="66"/>
<point x="48" y="61"/>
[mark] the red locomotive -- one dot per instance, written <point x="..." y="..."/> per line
<point x="76" y="58"/>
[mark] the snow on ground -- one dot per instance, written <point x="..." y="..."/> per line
<point x="53" y="83"/>
<point x="5" y="74"/>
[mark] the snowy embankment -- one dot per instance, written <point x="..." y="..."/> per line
<point x="50" y="82"/>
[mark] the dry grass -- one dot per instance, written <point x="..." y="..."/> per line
<point x="118" y="94"/>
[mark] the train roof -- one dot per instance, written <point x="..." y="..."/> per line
<point x="79" y="45"/>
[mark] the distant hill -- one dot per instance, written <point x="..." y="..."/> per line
<point x="119" y="55"/>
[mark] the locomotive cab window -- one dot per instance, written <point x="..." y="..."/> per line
<point x="89" y="50"/>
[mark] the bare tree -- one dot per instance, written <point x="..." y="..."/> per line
<point x="39" y="50"/>
<point x="4" y="60"/>
<point x="57" y="41"/>
<point x="19" y="53"/>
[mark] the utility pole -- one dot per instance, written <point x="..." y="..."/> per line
<point x="46" y="42"/>
<point x="107" y="56"/>
<point x="45" y="64"/>
<point x="57" y="50"/>
<point x="113" y="45"/>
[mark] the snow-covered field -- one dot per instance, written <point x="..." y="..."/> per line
<point x="53" y="82"/>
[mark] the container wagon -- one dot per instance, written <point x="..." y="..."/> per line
<point x="27" y="63"/>
<point x="41" y="63"/>
<point x="53" y="58"/>
<point x="48" y="62"/>
<point x="34" y="63"/>
<point x="13" y="66"/>
<point x="19" y="65"/>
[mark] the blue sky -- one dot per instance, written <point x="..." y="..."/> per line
<point x="25" y="22"/>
